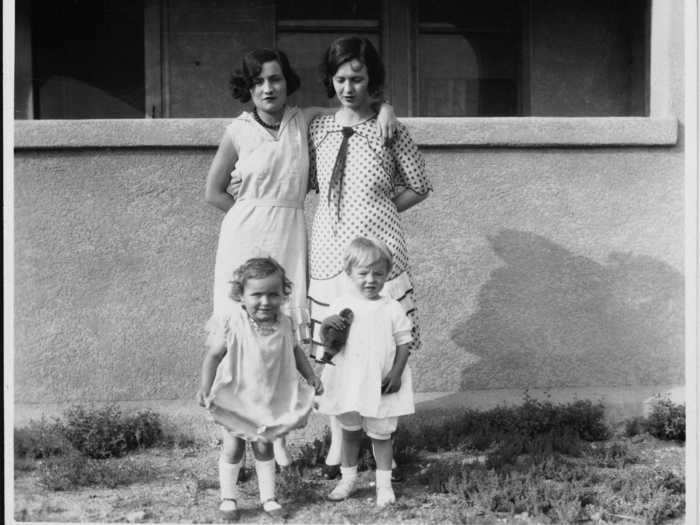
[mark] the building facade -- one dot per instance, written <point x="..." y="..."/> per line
<point x="550" y="254"/>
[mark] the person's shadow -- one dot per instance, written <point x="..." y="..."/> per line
<point x="550" y="318"/>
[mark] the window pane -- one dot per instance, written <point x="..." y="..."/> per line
<point x="469" y="58"/>
<point x="466" y="76"/>
<point x="88" y="59"/>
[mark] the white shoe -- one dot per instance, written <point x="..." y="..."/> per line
<point x="385" y="496"/>
<point x="229" y="509"/>
<point x="343" y="490"/>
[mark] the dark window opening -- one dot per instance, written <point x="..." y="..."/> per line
<point x="468" y="58"/>
<point x="88" y="59"/>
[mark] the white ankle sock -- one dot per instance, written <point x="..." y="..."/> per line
<point x="385" y="493"/>
<point x="348" y="472"/>
<point x="266" y="479"/>
<point x="228" y="476"/>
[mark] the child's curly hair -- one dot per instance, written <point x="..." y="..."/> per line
<point x="258" y="268"/>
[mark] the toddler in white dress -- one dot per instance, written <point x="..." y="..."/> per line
<point x="370" y="385"/>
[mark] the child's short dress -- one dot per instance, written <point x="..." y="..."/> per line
<point x="354" y="384"/>
<point x="256" y="393"/>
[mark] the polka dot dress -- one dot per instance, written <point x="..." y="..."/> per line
<point x="361" y="205"/>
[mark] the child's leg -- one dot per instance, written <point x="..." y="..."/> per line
<point x="265" y="469"/>
<point x="352" y="439"/>
<point x="380" y="431"/>
<point x="334" y="457"/>
<point x="230" y="462"/>
<point x="331" y="469"/>
<point x="351" y="424"/>
<point x="282" y="456"/>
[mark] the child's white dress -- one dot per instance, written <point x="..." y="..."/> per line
<point x="256" y="393"/>
<point x="354" y="384"/>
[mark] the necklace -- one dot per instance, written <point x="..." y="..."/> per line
<point x="263" y="327"/>
<point x="264" y="124"/>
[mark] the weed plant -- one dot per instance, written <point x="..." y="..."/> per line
<point x="40" y="439"/>
<point x="105" y="432"/>
<point x="536" y="427"/>
<point x="666" y="420"/>
<point x="72" y="452"/>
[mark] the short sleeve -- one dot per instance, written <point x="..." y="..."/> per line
<point x="232" y="132"/>
<point x="409" y="164"/>
<point x="218" y="330"/>
<point x="400" y="324"/>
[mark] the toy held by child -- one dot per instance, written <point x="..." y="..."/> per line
<point x="334" y="334"/>
<point x="249" y="380"/>
<point x="370" y="386"/>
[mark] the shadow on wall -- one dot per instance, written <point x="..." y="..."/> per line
<point x="550" y="318"/>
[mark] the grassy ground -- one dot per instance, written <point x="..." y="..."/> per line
<point x="180" y="485"/>
<point x="538" y="463"/>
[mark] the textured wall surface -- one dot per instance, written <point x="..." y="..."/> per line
<point x="533" y="266"/>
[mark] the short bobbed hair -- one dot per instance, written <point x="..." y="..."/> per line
<point x="350" y="48"/>
<point x="251" y="65"/>
<point x="363" y="252"/>
<point x="258" y="268"/>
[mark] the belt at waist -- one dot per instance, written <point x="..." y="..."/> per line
<point x="273" y="202"/>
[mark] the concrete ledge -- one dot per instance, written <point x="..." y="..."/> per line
<point x="509" y="132"/>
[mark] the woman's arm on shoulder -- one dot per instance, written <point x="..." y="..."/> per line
<point x="219" y="175"/>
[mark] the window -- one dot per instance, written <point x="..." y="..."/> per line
<point x="173" y="58"/>
<point x="88" y="59"/>
<point x="469" y="58"/>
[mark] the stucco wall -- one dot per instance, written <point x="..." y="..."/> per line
<point x="534" y="266"/>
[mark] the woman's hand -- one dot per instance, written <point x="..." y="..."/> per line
<point x="315" y="382"/>
<point x="386" y="121"/>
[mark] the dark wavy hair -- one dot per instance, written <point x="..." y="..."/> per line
<point x="350" y="48"/>
<point x="258" y="268"/>
<point x="242" y="79"/>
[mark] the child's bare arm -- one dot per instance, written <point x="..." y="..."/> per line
<point x="392" y="382"/>
<point x="306" y="371"/>
<point x="211" y="361"/>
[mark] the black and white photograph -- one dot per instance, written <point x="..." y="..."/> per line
<point x="373" y="261"/>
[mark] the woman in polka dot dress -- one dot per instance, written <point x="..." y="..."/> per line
<point x="363" y="184"/>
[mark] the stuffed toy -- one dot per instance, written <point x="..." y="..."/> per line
<point x="333" y="339"/>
